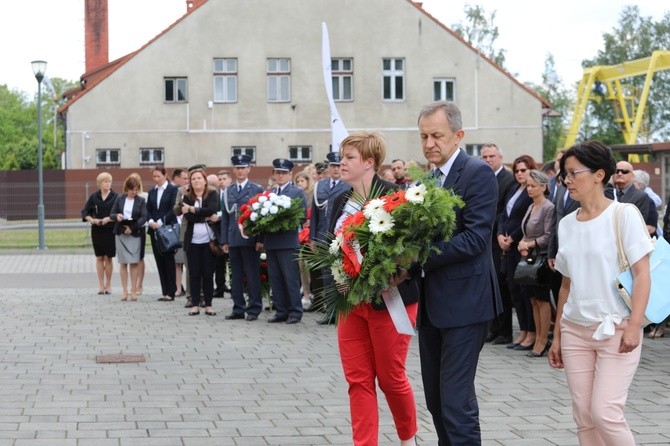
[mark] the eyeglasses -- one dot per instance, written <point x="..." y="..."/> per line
<point x="622" y="171"/>
<point x="571" y="175"/>
<point x="521" y="171"/>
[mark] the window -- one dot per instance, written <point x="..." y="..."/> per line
<point x="473" y="149"/>
<point x="343" y="79"/>
<point x="300" y="153"/>
<point x="393" y="79"/>
<point x="108" y="157"/>
<point x="151" y="155"/>
<point x="244" y="150"/>
<point x="176" y="89"/>
<point x="443" y="89"/>
<point x="279" y="80"/>
<point x="225" y="80"/>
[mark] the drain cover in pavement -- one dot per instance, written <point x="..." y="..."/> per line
<point x="114" y="359"/>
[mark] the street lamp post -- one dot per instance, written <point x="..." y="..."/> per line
<point x="39" y="68"/>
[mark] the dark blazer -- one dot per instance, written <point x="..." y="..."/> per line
<point x="666" y="222"/>
<point x="561" y="209"/>
<point x="230" y="211"/>
<point x="322" y="202"/>
<point x="163" y="210"/>
<point x="96" y="207"/>
<point x="638" y="198"/>
<point x="506" y="183"/>
<point x="409" y="289"/>
<point x="511" y="224"/>
<point x="460" y="284"/>
<point x="286" y="239"/>
<point x="139" y="215"/>
<point x="209" y="207"/>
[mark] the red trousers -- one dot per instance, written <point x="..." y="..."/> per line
<point x="371" y="349"/>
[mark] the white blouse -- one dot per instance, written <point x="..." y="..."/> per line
<point x="587" y="255"/>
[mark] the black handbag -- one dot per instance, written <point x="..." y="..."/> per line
<point x="167" y="238"/>
<point x="532" y="270"/>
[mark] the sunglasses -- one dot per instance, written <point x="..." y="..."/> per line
<point x="622" y="171"/>
<point x="521" y="170"/>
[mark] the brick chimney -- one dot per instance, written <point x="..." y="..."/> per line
<point x="96" y="28"/>
<point x="190" y="4"/>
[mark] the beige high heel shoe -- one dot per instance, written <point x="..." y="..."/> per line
<point x="124" y="295"/>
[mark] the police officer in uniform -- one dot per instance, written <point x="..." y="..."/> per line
<point x="243" y="252"/>
<point x="282" y="251"/>
<point x="324" y="192"/>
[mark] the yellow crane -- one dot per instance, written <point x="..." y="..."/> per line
<point x="604" y="82"/>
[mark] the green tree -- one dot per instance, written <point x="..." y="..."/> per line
<point x="555" y="120"/>
<point x="18" y="127"/>
<point x="635" y="37"/>
<point x="480" y="31"/>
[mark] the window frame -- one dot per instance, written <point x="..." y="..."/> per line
<point x="275" y="78"/>
<point x="177" y="80"/>
<point x="244" y="150"/>
<point x="339" y="75"/>
<point x="152" y="151"/>
<point x="443" y="88"/>
<point x="108" y="151"/>
<point x="393" y="75"/>
<point x="299" y="148"/>
<point x="224" y="76"/>
<point x="474" y="149"/>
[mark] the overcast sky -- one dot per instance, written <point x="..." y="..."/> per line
<point x="53" y="30"/>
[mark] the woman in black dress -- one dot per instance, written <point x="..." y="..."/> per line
<point x="96" y="212"/>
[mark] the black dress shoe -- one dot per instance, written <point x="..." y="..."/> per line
<point x="251" y="317"/>
<point x="292" y="320"/>
<point x="512" y="345"/>
<point x="232" y="316"/>
<point x="521" y="347"/>
<point x="218" y="294"/>
<point x="502" y="340"/>
<point x="275" y="319"/>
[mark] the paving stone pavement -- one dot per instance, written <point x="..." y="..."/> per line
<point x="208" y="381"/>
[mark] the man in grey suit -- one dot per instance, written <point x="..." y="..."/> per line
<point x="245" y="260"/>
<point x="282" y="250"/>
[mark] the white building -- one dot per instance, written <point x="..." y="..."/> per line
<point x="236" y="76"/>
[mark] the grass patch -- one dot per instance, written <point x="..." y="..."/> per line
<point x="61" y="238"/>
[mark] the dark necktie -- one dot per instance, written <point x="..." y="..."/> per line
<point x="332" y="185"/>
<point x="239" y="188"/>
<point x="437" y="173"/>
<point x="619" y="195"/>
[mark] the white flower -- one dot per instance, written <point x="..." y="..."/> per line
<point x="256" y="206"/>
<point x="253" y="216"/>
<point x="286" y="202"/>
<point x="374" y="206"/>
<point x="274" y="210"/>
<point x="264" y="256"/>
<point x="416" y="194"/>
<point x="265" y="211"/>
<point x="267" y="204"/>
<point x="262" y="199"/>
<point x="336" y="244"/>
<point x="337" y="269"/>
<point x="381" y="222"/>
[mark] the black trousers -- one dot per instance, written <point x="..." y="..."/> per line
<point x="201" y="271"/>
<point x="220" y="270"/>
<point x="166" y="269"/>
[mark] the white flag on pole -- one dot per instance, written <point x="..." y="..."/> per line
<point x="338" y="131"/>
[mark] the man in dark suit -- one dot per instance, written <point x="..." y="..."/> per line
<point x="160" y="201"/>
<point x="461" y="295"/>
<point x="325" y="192"/>
<point x="221" y="262"/>
<point x="282" y="250"/>
<point x="624" y="189"/>
<point x="501" y="329"/>
<point x="245" y="259"/>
